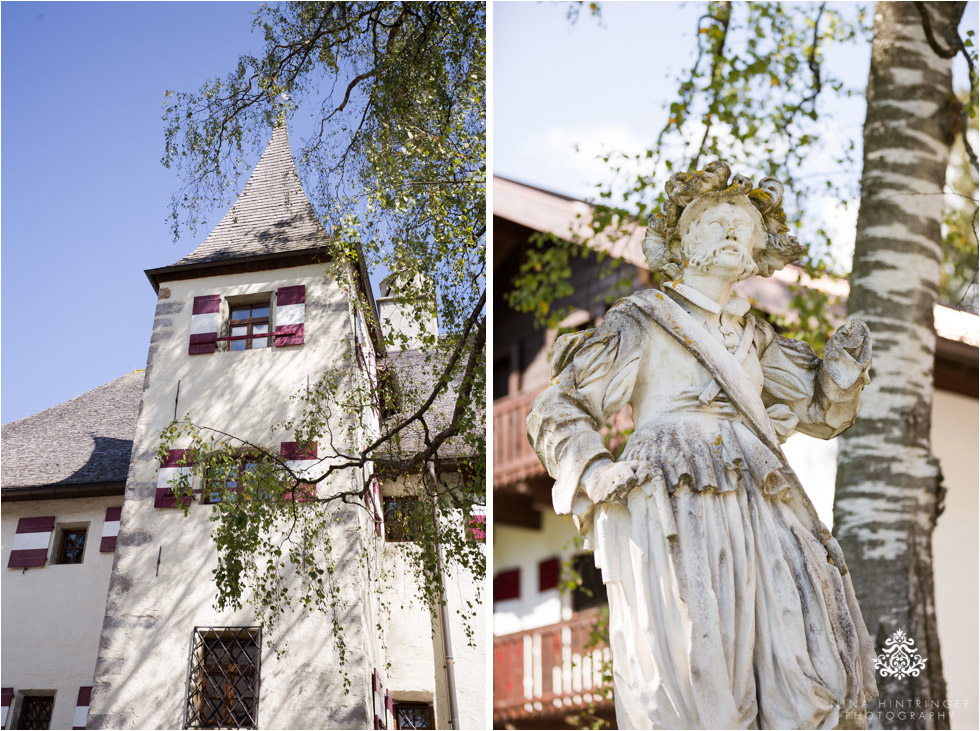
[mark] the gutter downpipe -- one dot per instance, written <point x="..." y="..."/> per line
<point x="446" y="638"/>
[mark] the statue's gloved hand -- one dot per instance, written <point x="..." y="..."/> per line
<point x="605" y="481"/>
<point x="847" y="356"/>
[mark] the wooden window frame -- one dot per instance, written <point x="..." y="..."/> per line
<point x="419" y="705"/>
<point x="249" y="323"/>
<point x="199" y="679"/>
<point x="244" y="459"/>
<point x="62" y="533"/>
<point x="396" y="531"/>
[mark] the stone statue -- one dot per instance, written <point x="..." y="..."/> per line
<point x="730" y="604"/>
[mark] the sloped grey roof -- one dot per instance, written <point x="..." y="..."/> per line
<point x="86" y="440"/>
<point x="271" y="216"/>
<point x="417" y="375"/>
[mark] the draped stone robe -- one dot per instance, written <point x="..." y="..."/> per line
<point x="724" y="609"/>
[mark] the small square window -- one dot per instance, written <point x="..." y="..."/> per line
<point x="591" y="592"/>
<point x="224" y="678"/>
<point x="70" y="545"/>
<point x="249" y="327"/>
<point x="413" y="715"/>
<point x="402" y="518"/>
<point x="35" y="711"/>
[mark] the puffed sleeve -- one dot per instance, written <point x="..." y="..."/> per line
<point x="824" y="395"/>
<point x="594" y="375"/>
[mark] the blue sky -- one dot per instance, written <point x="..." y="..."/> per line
<point x="84" y="196"/>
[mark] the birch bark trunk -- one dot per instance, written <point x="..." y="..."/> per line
<point x="889" y="484"/>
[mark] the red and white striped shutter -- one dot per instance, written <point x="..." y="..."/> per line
<point x="6" y="695"/>
<point x="376" y="699"/>
<point x="379" y="526"/>
<point x="81" y="708"/>
<point x="110" y="529"/>
<point x="298" y="461"/>
<point x="478" y="522"/>
<point x="390" y="710"/>
<point x="290" y="315"/>
<point x="30" y="547"/>
<point x="169" y="469"/>
<point x="204" y="324"/>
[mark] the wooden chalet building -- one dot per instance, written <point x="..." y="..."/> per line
<point x="544" y="671"/>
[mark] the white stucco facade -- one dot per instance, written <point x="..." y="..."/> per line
<point x="52" y="614"/>
<point x="414" y="633"/>
<point x="162" y="586"/>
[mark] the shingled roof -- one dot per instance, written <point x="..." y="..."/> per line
<point x="84" y="441"/>
<point x="272" y="215"/>
<point x="417" y="376"/>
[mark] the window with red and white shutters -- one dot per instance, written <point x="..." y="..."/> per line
<point x="290" y="315"/>
<point x="110" y="529"/>
<point x="30" y="546"/>
<point x="169" y="469"/>
<point x="205" y="319"/>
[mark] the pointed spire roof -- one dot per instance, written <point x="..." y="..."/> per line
<point x="272" y="216"/>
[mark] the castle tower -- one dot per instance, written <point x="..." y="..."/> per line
<point x="242" y="323"/>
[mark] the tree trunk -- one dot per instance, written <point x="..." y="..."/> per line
<point x="889" y="491"/>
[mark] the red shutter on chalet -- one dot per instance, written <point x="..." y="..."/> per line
<point x="31" y="541"/>
<point x="204" y="324"/>
<point x="507" y="585"/>
<point x="290" y="316"/>
<point x="548" y="572"/>
<point x="110" y="529"/>
<point x="389" y="710"/>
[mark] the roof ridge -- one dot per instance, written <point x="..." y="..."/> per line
<point x="73" y="398"/>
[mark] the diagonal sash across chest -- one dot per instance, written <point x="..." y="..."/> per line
<point x="724" y="367"/>
<point x="734" y="381"/>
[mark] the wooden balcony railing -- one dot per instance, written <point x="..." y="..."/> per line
<point x="548" y="671"/>
<point x="513" y="458"/>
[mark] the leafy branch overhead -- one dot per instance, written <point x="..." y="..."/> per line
<point x="391" y="98"/>
<point x="759" y="94"/>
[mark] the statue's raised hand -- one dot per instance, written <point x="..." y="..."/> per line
<point x="854" y="338"/>
<point x="606" y="481"/>
<point x="847" y="356"/>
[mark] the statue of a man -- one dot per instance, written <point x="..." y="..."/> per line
<point x="730" y="604"/>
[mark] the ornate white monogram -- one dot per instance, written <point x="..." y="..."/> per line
<point x="900" y="658"/>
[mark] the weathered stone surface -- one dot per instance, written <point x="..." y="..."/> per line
<point x="730" y="602"/>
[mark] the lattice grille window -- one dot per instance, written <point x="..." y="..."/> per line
<point x="413" y="716"/>
<point x="223" y="686"/>
<point x="35" y="711"/>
